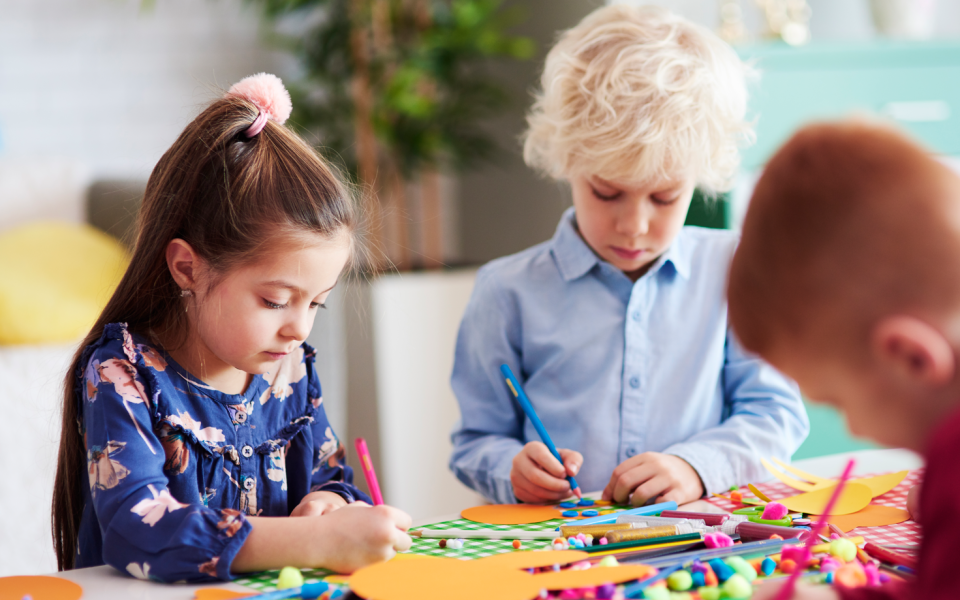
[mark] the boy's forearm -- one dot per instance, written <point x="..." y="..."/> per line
<point x="483" y="464"/>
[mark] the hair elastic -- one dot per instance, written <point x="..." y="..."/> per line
<point x="267" y="93"/>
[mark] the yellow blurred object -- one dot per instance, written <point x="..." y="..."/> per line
<point x="55" y="278"/>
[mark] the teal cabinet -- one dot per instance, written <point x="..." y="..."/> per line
<point x="913" y="84"/>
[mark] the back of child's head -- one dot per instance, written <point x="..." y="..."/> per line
<point x="850" y="222"/>
<point x="637" y="93"/>
<point x="235" y="185"/>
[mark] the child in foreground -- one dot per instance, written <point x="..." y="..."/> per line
<point x="193" y="404"/>
<point x="847" y="279"/>
<point x="617" y="327"/>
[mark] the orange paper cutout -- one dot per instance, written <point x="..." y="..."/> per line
<point x="442" y="579"/>
<point x="533" y="560"/>
<point x="874" y="515"/>
<point x="38" y="587"/>
<point x="219" y="594"/>
<point x="560" y="580"/>
<point x="854" y="497"/>
<point x="510" y="514"/>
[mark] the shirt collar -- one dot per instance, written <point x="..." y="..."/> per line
<point x="575" y="258"/>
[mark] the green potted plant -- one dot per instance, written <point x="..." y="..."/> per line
<point x="397" y="91"/>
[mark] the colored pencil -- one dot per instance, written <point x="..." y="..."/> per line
<point x="367" y="466"/>
<point x="527" y="407"/>
<point x="683" y="537"/>
<point x="652" y="509"/>
<point x="762" y="547"/>
<point x="787" y="590"/>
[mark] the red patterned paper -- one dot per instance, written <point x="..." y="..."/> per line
<point x="907" y="532"/>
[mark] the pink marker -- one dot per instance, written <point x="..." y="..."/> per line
<point x="367" y="466"/>
<point x="787" y="590"/>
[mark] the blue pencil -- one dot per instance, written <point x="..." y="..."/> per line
<point x="521" y="397"/>
<point x="651" y="509"/>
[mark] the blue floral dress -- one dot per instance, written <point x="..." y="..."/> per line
<point x="175" y="466"/>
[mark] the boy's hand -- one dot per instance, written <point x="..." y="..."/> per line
<point x="653" y="475"/>
<point x="315" y="504"/>
<point x="537" y="476"/>
<point x="768" y="590"/>
<point x="358" y="535"/>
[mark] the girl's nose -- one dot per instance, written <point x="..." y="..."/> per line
<point x="299" y="327"/>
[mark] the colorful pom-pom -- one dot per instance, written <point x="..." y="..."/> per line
<point x="290" y="577"/>
<point x="517" y="544"/>
<point x="717" y="539"/>
<point x="679" y="581"/>
<point x="266" y="91"/>
<point x="774" y="511"/>
<point x="737" y="587"/>
<point x="843" y="549"/>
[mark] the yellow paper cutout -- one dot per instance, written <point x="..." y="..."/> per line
<point x="874" y="515"/>
<point x="510" y="514"/>
<point x="442" y="579"/>
<point x="38" y="587"/>
<point x="533" y="560"/>
<point x="561" y="580"/>
<point x="854" y="497"/>
<point x="881" y="484"/>
<point x="794" y="483"/>
<point x="807" y="476"/>
<point x="219" y="594"/>
<point x="758" y="493"/>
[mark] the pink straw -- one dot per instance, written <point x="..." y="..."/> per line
<point x="787" y="590"/>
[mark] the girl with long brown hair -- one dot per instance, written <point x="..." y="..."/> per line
<point x="193" y="404"/>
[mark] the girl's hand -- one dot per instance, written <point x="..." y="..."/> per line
<point x="768" y="590"/>
<point x="537" y="476"/>
<point x="653" y="475"/>
<point x="358" y="535"/>
<point x="913" y="502"/>
<point x="315" y="504"/>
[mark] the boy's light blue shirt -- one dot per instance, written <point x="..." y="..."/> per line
<point x="616" y="368"/>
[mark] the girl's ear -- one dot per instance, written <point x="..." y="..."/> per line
<point x="184" y="264"/>
<point x="914" y="350"/>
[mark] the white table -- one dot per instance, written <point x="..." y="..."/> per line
<point x="109" y="584"/>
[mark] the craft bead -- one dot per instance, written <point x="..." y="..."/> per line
<point x="590" y="513"/>
<point x="737" y="587"/>
<point x="679" y="581"/>
<point x="850" y="575"/>
<point x="721" y="569"/>
<point x="828" y="564"/>
<point x="608" y="561"/>
<point x="710" y="592"/>
<point x="710" y="578"/>
<point x="606" y="591"/>
<point x="443" y="543"/>
<point x="741" y="567"/>
<point x="774" y="511"/>
<point x="843" y="549"/>
<point x="656" y="592"/>
<point x="698" y="580"/>
<point x="570" y="513"/>
<point x="607" y="512"/>
<point x="567" y="505"/>
<point x="736" y="497"/>
<point x="788" y="565"/>
<point x="290" y="577"/>
<point x="768" y="566"/>
<point x="517" y="544"/>
<point x="603" y="541"/>
<point x="585" y="502"/>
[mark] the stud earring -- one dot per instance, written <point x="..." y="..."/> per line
<point x="185" y="293"/>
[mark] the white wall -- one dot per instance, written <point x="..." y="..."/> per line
<point x="416" y="317"/>
<point x="111" y="83"/>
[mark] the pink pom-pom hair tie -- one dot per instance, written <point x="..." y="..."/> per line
<point x="267" y="93"/>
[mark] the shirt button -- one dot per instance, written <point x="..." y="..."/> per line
<point x="634" y="382"/>
<point x="247" y="451"/>
<point x="636" y="315"/>
<point x="249" y="483"/>
<point x="631" y="452"/>
<point x="241" y="417"/>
